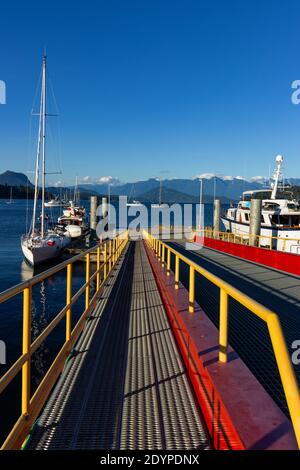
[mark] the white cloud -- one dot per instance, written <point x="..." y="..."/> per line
<point x="99" y="180"/>
<point x="258" y="178"/>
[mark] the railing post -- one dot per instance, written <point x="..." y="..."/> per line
<point x="87" y="279"/>
<point x="98" y="267"/>
<point x="223" y="339"/>
<point x="69" y="299"/>
<point x="109" y="255"/>
<point x="192" y="290"/>
<point x="113" y="251"/>
<point x="286" y="371"/>
<point x="176" y="272"/>
<point x="163" y="256"/>
<point x="105" y="261"/>
<point x="27" y="296"/>
<point x="118" y="248"/>
<point x="169" y="262"/>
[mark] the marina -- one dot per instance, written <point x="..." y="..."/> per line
<point x="149" y="234"/>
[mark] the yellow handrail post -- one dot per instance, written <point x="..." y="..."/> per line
<point x="176" y="272"/>
<point x="192" y="290"/>
<point x="286" y="372"/>
<point x="163" y="256"/>
<point x="223" y="329"/>
<point x="104" y="261"/>
<point x="27" y="297"/>
<point x="159" y="250"/>
<point x="109" y="255"/>
<point x="168" y="262"/>
<point x="69" y="300"/>
<point x="98" y="267"/>
<point x="87" y="279"/>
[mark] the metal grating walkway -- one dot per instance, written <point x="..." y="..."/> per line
<point x="248" y="335"/>
<point x="126" y="386"/>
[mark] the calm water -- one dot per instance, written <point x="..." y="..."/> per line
<point x="48" y="299"/>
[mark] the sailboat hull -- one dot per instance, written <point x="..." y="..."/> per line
<point x="37" y="251"/>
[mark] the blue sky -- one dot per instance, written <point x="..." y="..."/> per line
<point x="149" y="88"/>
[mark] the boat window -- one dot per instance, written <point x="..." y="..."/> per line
<point x="246" y="216"/>
<point x="284" y="220"/>
<point x="295" y="220"/>
<point x="274" y="219"/>
<point x="271" y="206"/>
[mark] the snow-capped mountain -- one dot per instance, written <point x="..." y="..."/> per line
<point x="226" y="187"/>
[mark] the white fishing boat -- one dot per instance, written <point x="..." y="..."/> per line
<point x="73" y="220"/>
<point x="280" y="216"/>
<point x="56" y="202"/>
<point x="134" y="203"/>
<point x="40" y="244"/>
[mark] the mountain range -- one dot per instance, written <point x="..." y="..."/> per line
<point x="173" y="190"/>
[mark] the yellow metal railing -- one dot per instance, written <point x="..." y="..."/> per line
<point x="284" y="364"/>
<point x="31" y="406"/>
<point x="287" y="245"/>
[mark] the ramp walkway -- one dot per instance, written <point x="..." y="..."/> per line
<point x="125" y="385"/>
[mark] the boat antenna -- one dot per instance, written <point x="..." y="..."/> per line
<point x="277" y="175"/>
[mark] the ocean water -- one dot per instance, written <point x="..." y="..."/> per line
<point x="48" y="299"/>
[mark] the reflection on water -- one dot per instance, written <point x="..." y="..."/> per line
<point x="38" y="324"/>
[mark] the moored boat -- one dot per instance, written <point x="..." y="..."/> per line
<point x="73" y="221"/>
<point x="280" y="215"/>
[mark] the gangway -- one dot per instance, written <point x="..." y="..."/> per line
<point x="125" y="386"/>
<point x="143" y="368"/>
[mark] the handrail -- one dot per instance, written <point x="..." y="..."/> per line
<point x="31" y="406"/>
<point x="243" y="238"/>
<point x="284" y="364"/>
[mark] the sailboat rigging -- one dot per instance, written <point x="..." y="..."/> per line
<point x="41" y="243"/>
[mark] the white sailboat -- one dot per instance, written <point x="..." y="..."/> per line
<point x="11" y="201"/>
<point x="160" y="204"/>
<point x="41" y="245"/>
<point x="133" y="202"/>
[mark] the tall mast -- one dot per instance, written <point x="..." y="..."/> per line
<point x="43" y="143"/>
<point x="159" y="200"/>
<point x="76" y="191"/>
<point x="37" y="166"/>
<point x="200" y="205"/>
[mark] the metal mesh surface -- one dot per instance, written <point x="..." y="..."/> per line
<point x="248" y="335"/>
<point x="126" y="386"/>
